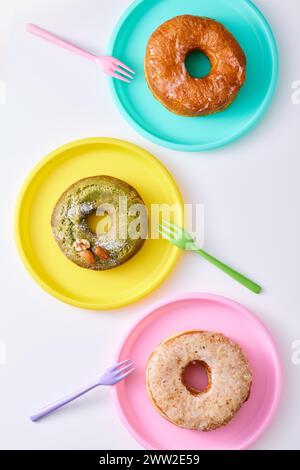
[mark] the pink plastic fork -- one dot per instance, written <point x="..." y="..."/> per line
<point x="113" y="67"/>
<point x="112" y="376"/>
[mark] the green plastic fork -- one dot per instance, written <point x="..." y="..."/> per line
<point x="184" y="241"/>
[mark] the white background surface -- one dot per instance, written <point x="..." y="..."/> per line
<point x="251" y="195"/>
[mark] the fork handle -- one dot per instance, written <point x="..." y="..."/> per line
<point x="231" y="272"/>
<point x="59" y="404"/>
<point x="42" y="33"/>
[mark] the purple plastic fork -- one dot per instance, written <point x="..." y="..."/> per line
<point x="112" y="376"/>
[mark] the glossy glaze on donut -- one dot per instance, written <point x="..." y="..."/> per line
<point x="229" y="380"/>
<point x="167" y="76"/>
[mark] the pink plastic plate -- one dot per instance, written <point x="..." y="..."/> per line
<point x="208" y="312"/>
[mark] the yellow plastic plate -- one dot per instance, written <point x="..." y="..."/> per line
<point x="39" y="251"/>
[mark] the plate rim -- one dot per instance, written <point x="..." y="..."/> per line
<point x="255" y="119"/>
<point x="278" y="363"/>
<point x="175" y="255"/>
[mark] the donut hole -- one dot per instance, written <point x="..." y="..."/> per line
<point x="197" y="64"/>
<point x="99" y="224"/>
<point x="196" y="377"/>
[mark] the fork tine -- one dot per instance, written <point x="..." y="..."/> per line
<point x="120" y="364"/>
<point x="119" y="77"/>
<point x="120" y="64"/>
<point x="167" y="229"/>
<point x="123" y="369"/>
<point x="181" y="232"/>
<point x="174" y="227"/>
<point x="121" y="377"/>
<point x="123" y="72"/>
<point x="175" y="234"/>
<point x="164" y="233"/>
<point x="171" y="237"/>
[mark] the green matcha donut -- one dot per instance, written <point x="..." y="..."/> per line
<point x="106" y="250"/>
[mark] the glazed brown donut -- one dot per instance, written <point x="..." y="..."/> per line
<point x="229" y="380"/>
<point x="168" y="78"/>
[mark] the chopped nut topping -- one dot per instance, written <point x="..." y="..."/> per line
<point x="101" y="253"/>
<point x="81" y="245"/>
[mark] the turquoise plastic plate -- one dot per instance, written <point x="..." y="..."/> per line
<point x="155" y="122"/>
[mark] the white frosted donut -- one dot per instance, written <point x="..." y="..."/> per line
<point x="229" y="380"/>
